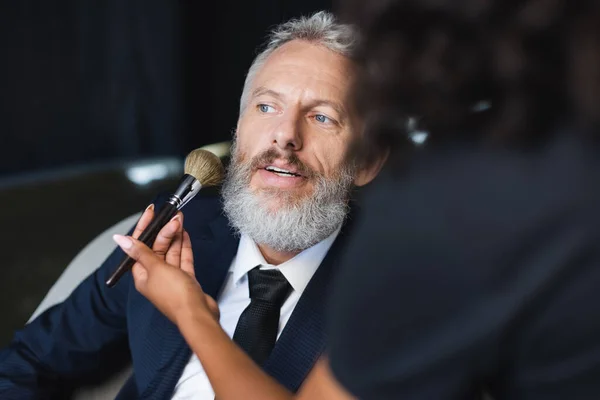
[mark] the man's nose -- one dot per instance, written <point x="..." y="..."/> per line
<point x="288" y="134"/>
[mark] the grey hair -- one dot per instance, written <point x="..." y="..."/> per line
<point x="320" y="28"/>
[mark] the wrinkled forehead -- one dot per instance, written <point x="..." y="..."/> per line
<point x="304" y="70"/>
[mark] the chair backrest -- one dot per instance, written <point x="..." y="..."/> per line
<point x="86" y="262"/>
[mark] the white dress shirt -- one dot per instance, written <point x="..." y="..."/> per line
<point x="235" y="297"/>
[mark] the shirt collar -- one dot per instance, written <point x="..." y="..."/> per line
<point x="298" y="270"/>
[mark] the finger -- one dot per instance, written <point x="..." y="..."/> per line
<point x="173" y="256"/>
<point x="187" y="255"/>
<point x="138" y="251"/>
<point x="140" y="277"/>
<point x="166" y="236"/>
<point x="144" y="221"/>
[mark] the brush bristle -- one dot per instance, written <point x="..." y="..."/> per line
<point x="205" y="166"/>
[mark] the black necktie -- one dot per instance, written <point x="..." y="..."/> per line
<point x="256" y="330"/>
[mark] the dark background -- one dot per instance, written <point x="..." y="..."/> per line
<point x="96" y="83"/>
<point x="91" y="80"/>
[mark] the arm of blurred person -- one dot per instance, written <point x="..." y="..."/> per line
<point x="76" y="340"/>
<point x="169" y="283"/>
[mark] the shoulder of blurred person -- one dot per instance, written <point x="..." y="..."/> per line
<point x="480" y="271"/>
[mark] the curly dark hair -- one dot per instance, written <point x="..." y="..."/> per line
<point x="493" y="71"/>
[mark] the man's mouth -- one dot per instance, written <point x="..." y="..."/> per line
<point x="282" y="172"/>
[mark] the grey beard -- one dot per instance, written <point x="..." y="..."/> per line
<point x="296" y="224"/>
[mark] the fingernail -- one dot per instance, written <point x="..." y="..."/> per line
<point x="123" y="241"/>
<point x="176" y="217"/>
<point x="150" y="207"/>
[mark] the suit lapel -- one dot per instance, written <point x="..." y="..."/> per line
<point x="222" y="244"/>
<point x="303" y="338"/>
<point x="214" y="249"/>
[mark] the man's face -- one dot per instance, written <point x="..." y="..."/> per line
<point x="289" y="180"/>
<point x="296" y="127"/>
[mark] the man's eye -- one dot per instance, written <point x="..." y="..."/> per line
<point x="322" y="118"/>
<point x="263" y="108"/>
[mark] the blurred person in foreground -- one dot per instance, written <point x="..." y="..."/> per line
<point x="475" y="267"/>
<point x="266" y="246"/>
<point x="487" y="242"/>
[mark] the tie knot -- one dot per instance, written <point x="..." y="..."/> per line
<point x="268" y="285"/>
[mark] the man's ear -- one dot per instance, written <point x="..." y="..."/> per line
<point x="370" y="168"/>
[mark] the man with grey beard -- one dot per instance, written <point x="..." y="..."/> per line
<point x="265" y="250"/>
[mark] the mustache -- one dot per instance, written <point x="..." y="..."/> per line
<point x="270" y="155"/>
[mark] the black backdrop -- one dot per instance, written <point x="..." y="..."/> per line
<point x="96" y="80"/>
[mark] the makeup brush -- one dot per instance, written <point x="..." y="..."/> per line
<point x="202" y="169"/>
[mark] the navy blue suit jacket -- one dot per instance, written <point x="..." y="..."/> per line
<point x="98" y="327"/>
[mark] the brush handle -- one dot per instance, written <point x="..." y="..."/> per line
<point x="148" y="236"/>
